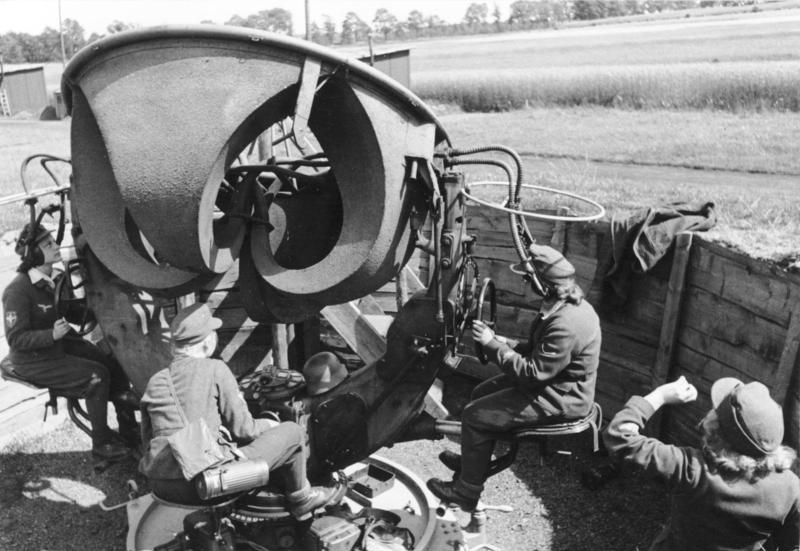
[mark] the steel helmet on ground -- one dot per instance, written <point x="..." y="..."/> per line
<point x="323" y="371"/>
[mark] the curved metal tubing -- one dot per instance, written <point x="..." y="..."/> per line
<point x="601" y="211"/>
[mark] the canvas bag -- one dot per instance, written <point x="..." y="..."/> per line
<point x="194" y="447"/>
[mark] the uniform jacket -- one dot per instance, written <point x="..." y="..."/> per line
<point x="205" y="388"/>
<point x="557" y="367"/>
<point x="708" y="512"/>
<point x="29" y="314"/>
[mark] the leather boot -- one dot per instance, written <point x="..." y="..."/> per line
<point x="451" y="460"/>
<point x="456" y="492"/>
<point x="109" y="451"/>
<point x="303" y="503"/>
<point x="129" y="429"/>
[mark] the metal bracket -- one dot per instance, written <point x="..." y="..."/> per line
<point x="305" y="98"/>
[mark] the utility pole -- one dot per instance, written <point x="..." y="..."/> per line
<point x="308" y="20"/>
<point x="61" y="35"/>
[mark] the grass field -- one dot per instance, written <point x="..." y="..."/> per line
<point x="759" y="214"/>
<point x="750" y="61"/>
<point x="762" y="219"/>
<point x="18" y="140"/>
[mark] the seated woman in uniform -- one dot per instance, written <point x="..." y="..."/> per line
<point x="47" y="352"/>
<point x="550" y="378"/>
<point x="205" y="387"/>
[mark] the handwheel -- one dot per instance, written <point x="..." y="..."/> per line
<point x="466" y="295"/>
<point x="487" y="292"/>
<point x="70" y="307"/>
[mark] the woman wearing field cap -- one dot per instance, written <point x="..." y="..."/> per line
<point x="323" y="372"/>
<point x="46" y="351"/>
<point x="735" y="492"/>
<point x="204" y="387"/>
<point x="550" y="378"/>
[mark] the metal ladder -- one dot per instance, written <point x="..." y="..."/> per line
<point x="5" y="107"/>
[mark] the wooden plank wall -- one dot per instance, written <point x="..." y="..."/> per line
<point x="741" y="318"/>
<point x="735" y="316"/>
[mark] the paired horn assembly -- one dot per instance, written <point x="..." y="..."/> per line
<point x="164" y="122"/>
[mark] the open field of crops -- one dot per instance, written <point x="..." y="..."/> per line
<point x="751" y="61"/>
<point x="751" y="163"/>
<point x="20" y="139"/>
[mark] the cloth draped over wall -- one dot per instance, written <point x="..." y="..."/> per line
<point x="638" y="240"/>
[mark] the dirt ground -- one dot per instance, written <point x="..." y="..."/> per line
<point x="50" y="496"/>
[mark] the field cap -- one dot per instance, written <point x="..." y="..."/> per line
<point x="549" y="263"/>
<point x="323" y="371"/>
<point x="749" y="419"/>
<point x="193" y="324"/>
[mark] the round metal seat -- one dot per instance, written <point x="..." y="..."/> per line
<point x="593" y="420"/>
<point x="76" y="412"/>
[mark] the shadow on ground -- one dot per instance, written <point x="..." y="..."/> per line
<point x="50" y="499"/>
<point x="553" y="510"/>
<point x="50" y="495"/>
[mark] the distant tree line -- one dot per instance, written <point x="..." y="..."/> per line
<point x="385" y="26"/>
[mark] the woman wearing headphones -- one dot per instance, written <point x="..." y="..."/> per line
<point x="45" y="351"/>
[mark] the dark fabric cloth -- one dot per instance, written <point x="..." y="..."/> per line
<point x="72" y="364"/>
<point x="639" y="240"/>
<point x="557" y="367"/>
<point x="551" y="377"/>
<point x="708" y="511"/>
<point x="281" y="447"/>
<point x="205" y="388"/>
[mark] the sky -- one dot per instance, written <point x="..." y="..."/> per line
<point x="32" y="16"/>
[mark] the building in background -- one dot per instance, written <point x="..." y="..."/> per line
<point x="24" y="90"/>
<point x="396" y="64"/>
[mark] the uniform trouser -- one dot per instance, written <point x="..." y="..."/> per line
<point x="85" y="371"/>
<point x="496" y="405"/>
<point x="281" y="447"/>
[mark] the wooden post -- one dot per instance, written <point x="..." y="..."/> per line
<point x="664" y="369"/>
<point x="309" y="339"/>
<point x="280" y="345"/>
<point x="559" y="239"/>
<point x="401" y="289"/>
<point x="407" y="284"/>
<point x="789" y="354"/>
<point x="790" y="361"/>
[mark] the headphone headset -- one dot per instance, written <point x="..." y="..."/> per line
<point x="30" y="236"/>
<point x="539" y="285"/>
<point x="28" y="247"/>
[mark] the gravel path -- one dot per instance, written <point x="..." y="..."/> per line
<point x="50" y="495"/>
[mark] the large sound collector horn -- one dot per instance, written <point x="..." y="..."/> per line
<point x="159" y="118"/>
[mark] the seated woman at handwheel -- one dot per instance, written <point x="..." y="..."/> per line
<point x="551" y="378"/>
